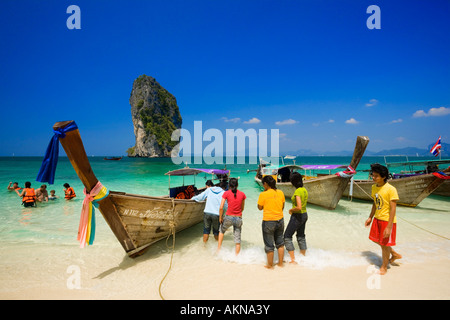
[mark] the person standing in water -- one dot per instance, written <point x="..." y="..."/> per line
<point x="213" y="197"/>
<point x="28" y="195"/>
<point x="15" y="187"/>
<point x="271" y="201"/>
<point x="299" y="216"/>
<point x="69" y="193"/>
<point x="233" y="216"/>
<point x="384" y="225"/>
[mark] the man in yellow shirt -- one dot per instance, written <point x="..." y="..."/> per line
<point x="271" y="201"/>
<point x="384" y="225"/>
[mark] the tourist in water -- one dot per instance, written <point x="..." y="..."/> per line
<point x="271" y="201"/>
<point x="69" y="193"/>
<point x="213" y="197"/>
<point x="42" y="194"/>
<point x="15" y="187"/>
<point x="233" y="216"/>
<point x="52" y="195"/>
<point x="298" y="219"/>
<point x="28" y="195"/>
<point x="382" y="216"/>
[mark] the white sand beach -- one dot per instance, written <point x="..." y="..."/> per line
<point x="104" y="272"/>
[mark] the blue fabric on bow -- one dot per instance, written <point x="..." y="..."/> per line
<point x="48" y="167"/>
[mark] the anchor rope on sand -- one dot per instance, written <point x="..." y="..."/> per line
<point x="411" y="223"/>
<point x="438" y="235"/>
<point x="172" y="226"/>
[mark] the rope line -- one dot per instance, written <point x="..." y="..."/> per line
<point x="438" y="235"/>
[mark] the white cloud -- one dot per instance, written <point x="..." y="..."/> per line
<point x="317" y="124"/>
<point x="372" y="102"/>
<point x="286" y="122"/>
<point x="352" y="121"/>
<point x="252" y="121"/>
<point x="231" y="120"/>
<point x="433" y="112"/>
<point x="396" y="121"/>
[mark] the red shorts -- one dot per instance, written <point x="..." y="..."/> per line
<point x="377" y="230"/>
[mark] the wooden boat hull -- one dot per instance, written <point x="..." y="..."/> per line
<point x="323" y="191"/>
<point x="411" y="190"/>
<point x="443" y="189"/>
<point x="137" y="221"/>
<point x="149" y="219"/>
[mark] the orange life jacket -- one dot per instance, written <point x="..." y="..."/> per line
<point x="68" y="194"/>
<point x="29" y="196"/>
<point x="186" y="194"/>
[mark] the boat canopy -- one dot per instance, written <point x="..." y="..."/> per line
<point x="417" y="163"/>
<point x="195" y="171"/>
<point x="306" y="167"/>
<point x="322" y="166"/>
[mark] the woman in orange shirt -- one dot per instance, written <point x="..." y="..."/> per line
<point x="271" y="201"/>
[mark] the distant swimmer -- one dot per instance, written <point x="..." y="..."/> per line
<point x="28" y="195"/>
<point x="14" y="187"/>
<point x="69" y="193"/>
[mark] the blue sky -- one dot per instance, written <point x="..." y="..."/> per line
<point x="311" y="69"/>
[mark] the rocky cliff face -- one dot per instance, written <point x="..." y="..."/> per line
<point x="155" y="116"/>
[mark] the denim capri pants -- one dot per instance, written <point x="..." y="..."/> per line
<point x="273" y="234"/>
<point x="234" y="221"/>
<point x="297" y="225"/>
<point x="210" y="220"/>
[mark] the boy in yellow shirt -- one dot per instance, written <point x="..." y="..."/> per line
<point x="384" y="226"/>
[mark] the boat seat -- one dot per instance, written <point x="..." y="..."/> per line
<point x="183" y="192"/>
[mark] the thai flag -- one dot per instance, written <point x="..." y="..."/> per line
<point x="436" y="148"/>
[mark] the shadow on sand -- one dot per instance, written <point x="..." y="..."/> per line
<point x="183" y="239"/>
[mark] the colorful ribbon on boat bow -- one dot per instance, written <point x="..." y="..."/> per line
<point x="350" y="172"/>
<point x="86" y="229"/>
<point x="48" y="167"/>
<point x="441" y="175"/>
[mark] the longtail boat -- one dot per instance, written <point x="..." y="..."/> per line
<point x="412" y="186"/>
<point x="323" y="190"/>
<point x="113" y="158"/>
<point x="137" y="221"/>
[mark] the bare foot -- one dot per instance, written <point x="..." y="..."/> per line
<point x="268" y="267"/>
<point x="395" y="257"/>
<point x="293" y="262"/>
<point x="382" y="271"/>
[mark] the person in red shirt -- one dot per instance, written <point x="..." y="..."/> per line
<point x="233" y="217"/>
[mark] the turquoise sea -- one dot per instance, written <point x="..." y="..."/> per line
<point x="56" y="222"/>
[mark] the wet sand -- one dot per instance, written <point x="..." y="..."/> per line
<point x="106" y="273"/>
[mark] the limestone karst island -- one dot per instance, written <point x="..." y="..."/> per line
<point x="155" y="116"/>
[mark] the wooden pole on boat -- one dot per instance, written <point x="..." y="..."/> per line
<point x="360" y="148"/>
<point x="73" y="145"/>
